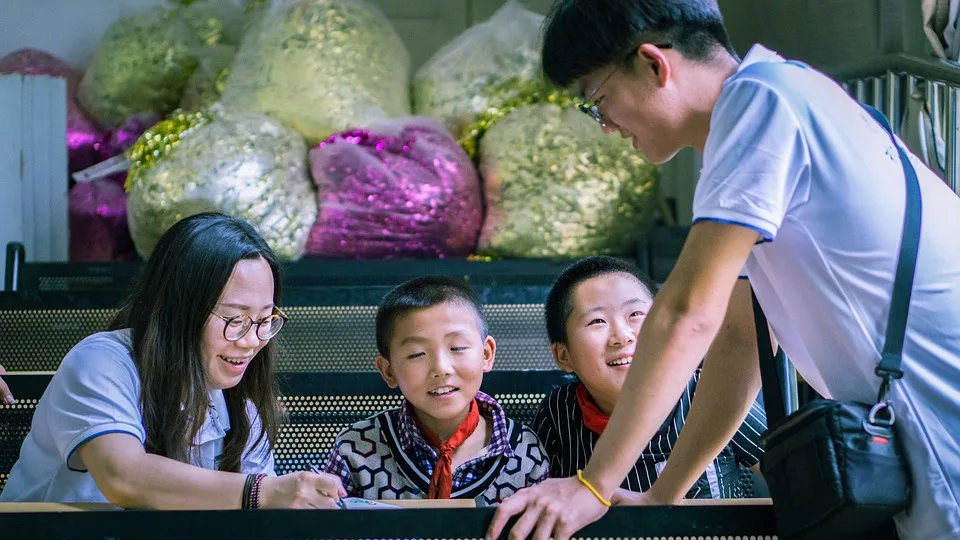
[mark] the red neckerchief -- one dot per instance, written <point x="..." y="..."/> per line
<point x="441" y="485"/>
<point x="595" y="419"/>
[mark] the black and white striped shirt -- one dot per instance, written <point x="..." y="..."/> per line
<point x="569" y="444"/>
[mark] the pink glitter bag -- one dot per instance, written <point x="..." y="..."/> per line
<point x="402" y="189"/>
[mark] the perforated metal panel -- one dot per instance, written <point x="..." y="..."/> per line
<point x="36" y="340"/>
<point x="14" y="425"/>
<point x="66" y="283"/>
<point x="324" y="338"/>
<point x="315" y="422"/>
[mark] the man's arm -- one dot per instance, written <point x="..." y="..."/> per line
<point x="685" y="318"/>
<point x="728" y="387"/>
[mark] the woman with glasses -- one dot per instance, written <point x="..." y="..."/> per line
<point x="176" y="406"/>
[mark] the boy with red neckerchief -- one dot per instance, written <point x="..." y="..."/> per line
<point x="594" y="312"/>
<point x="447" y="439"/>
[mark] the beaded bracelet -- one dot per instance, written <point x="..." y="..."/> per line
<point x="591" y="488"/>
<point x="255" y="491"/>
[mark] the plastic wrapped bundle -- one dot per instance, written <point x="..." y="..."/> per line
<point x="320" y="66"/>
<point x="405" y="188"/>
<point x="83" y="136"/>
<point x="143" y="61"/>
<point x="207" y="82"/>
<point x="243" y="164"/>
<point x="119" y="140"/>
<point x="98" y="205"/>
<point x="454" y="85"/>
<point x="98" y="222"/>
<point x="557" y="187"/>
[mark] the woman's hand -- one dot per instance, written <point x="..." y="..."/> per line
<point x="5" y="395"/>
<point x="302" y="489"/>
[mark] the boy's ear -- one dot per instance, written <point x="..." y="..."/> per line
<point x="386" y="371"/>
<point x="561" y="355"/>
<point x="489" y="352"/>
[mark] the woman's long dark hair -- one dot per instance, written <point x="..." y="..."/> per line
<point x="167" y="311"/>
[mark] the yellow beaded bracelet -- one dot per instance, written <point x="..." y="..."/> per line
<point x="591" y="488"/>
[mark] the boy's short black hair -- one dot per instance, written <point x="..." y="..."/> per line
<point x="581" y="36"/>
<point x="559" y="304"/>
<point x="421" y="293"/>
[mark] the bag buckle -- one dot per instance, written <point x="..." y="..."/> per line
<point x="880" y="421"/>
<point x="886" y="382"/>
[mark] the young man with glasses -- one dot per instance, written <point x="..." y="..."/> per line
<point x="803" y="190"/>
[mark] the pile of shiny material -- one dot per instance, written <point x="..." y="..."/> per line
<point x="455" y="84"/>
<point x="320" y="67"/>
<point x="83" y="136"/>
<point x="98" y="208"/>
<point x="404" y="188"/>
<point x="555" y="185"/>
<point x="144" y="60"/>
<point x="242" y="164"/>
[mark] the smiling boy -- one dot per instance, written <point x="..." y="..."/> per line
<point x="594" y="312"/>
<point x="447" y="439"/>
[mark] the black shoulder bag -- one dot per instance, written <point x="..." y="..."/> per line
<point x="836" y="469"/>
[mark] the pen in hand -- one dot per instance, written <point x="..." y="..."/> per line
<point x="340" y="504"/>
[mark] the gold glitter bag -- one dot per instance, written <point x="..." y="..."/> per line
<point x="555" y="185"/>
<point x="242" y="164"/>
<point x="144" y="60"/>
<point x="320" y="66"/>
<point x="455" y="84"/>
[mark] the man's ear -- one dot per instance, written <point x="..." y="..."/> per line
<point x="654" y="58"/>
<point x="561" y="355"/>
<point x="489" y="353"/>
<point x="386" y="371"/>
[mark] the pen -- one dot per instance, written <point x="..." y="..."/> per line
<point x="340" y="504"/>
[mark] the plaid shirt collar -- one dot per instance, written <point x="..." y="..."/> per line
<point x="412" y="441"/>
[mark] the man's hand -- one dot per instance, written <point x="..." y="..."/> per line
<point x="625" y="497"/>
<point x="556" y="509"/>
<point x="5" y="395"/>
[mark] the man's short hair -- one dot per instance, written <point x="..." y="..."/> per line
<point x="581" y="36"/>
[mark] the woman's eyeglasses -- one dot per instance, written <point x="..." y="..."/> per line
<point x="268" y="327"/>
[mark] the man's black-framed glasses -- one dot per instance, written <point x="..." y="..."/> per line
<point x="589" y="107"/>
<point x="235" y="328"/>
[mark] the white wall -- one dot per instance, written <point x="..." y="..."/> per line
<point x="69" y="29"/>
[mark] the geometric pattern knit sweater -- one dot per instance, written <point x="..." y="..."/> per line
<point x="385" y="457"/>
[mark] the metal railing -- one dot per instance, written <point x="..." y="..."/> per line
<point x="887" y="82"/>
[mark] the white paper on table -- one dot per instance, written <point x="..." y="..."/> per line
<point x="356" y="503"/>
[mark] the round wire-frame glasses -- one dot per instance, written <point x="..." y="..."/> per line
<point x="235" y="328"/>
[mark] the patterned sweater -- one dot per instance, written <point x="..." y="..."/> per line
<point x="386" y="457"/>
